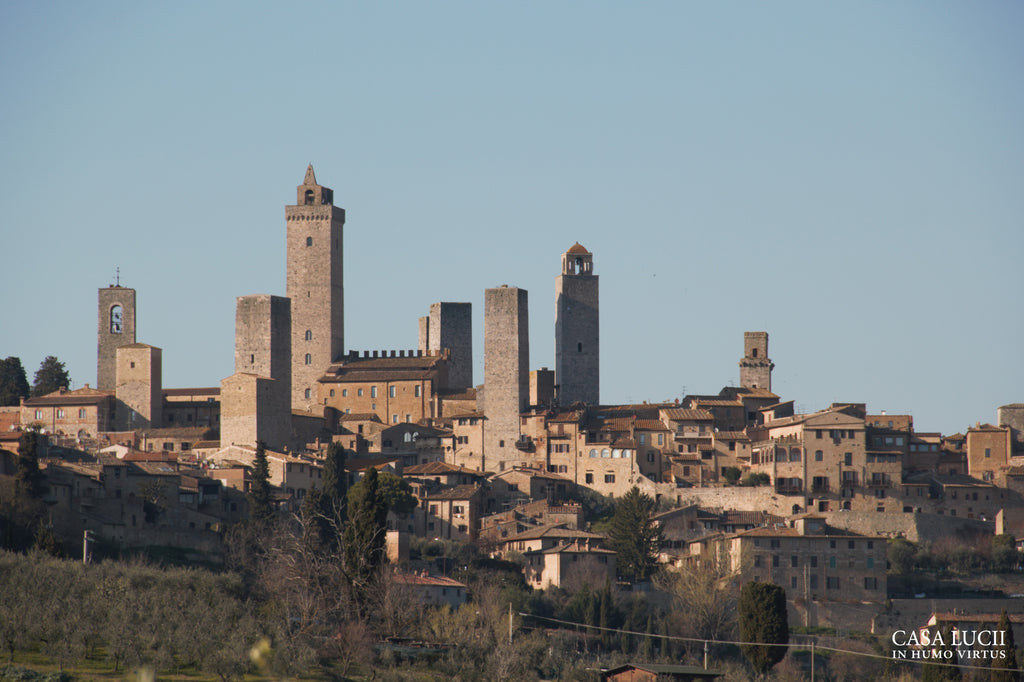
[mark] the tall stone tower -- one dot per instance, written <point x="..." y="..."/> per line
<point x="116" y="328"/>
<point x="256" y="399"/>
<point x="577" y="329"/>
<point x="755" y="367"/>
<point x="450" y="325"/>
<point x="506" y="370"/>
<point x="139" y="389"/>
<point x="315" y="286"/>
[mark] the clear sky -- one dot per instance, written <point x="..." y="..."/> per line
<point x="848" y="176"/>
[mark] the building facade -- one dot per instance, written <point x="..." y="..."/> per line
<point x="116" y="328"/>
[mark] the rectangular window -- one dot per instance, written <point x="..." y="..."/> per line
<point x="373" y="391"/>
<point x="589" y="478"/>
<point x="848" y="459"/>
<point x="643" y="439"/>
<point x="60" y="415"/>
<point x="870" y="583"/>
<point x="391" y="391"/>
<point x="609" y="478"/>
<point x="792" y="582"/>
<point x="793" y="561"/>
<point x="394" y="419"/>
<point x="818" y="455"/>
<point x="775" y="543"/>
<point x="775" y="561"/>
<point x="831" y="582"/>
<point x="814" y="581"/>
<point x="661" y="439"/>
<point x="359" y="393"/>
<point x="831" y="562"/>
<point x="814" y="561"/>
<point x="81" y="413"/>
<point x="988" y="452"/>
<point x="418" y="391"/>
<point x="344" y="393"/>
<point x="757" y="561"/>
<point x="408" y="418"/>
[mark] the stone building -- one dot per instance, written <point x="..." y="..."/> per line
<point x="988" y="450"/>
<point x="577" y="329"/>
<point x="450" y="326"/>
<point x="810" y="560"/>
<point x="755" y="367"/>
<point x="83" y="413"/>
<point x="397" y="386"/>
<point x="256" y="399"/>
<point x="116" y="328"/>
<point x="139" y="388"/>
<point x="820" y="459"/>
<point x="315" y="286"/>
<point x="506" y="371"/>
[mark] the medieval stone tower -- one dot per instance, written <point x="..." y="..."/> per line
<point x="315" y="286"/>
<point x="506" y="371"/>
<point x="450" y="325"/>
<point x="755" y="367"/>
<point x="139" y="390"/>
<point x="116" y="315"/>
<point x="577" y="330"/>
<point x="256" y="399"/>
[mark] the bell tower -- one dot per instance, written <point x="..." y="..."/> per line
<point x="116" y="328"/>
<point x="755" y="367"/>
<point x="577" y="330"/>
<point x="315" y="286"/>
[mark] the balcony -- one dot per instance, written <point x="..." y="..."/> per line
<point x="525" y="444"/>
<point x="789" y="487"/>
<point x="820" y="486"/>
<point x="880" y="482"/>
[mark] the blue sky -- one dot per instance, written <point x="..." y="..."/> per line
<point x="846" y="176"/>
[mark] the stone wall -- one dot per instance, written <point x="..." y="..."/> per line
<point x="108" y="340"/>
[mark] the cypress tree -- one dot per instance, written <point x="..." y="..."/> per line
<point x="28" y="478"/>
<point x="13" y="382"/>
<point x="1006" y="653"/>
<point x="764" y="620"/>
<point x="634" y="535"/>
<point x="365" y="536"/>
<point x="261" y="507"/>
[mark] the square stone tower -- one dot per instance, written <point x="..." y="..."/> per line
<point x="577" y="330"/>
<point x="139" y="389"/>
<point x="506" y="370"/>
<point x="755" y="367"/>
<point x="450" y="325"/>
<point x="116" y="328"/>
<point x="315" y="286"/>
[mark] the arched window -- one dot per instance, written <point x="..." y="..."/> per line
<point x="309" y="197"/>
<point x="794" y="455"/>
<point x="309" y="335"/>
<point x="309" y="359"/>
<point x="332" y="392"/>
<point x="115" y="319"/>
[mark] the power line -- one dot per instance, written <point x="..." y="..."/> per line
<point x="800" y="645"/>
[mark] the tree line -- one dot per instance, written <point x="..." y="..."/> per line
<point x="51" y="376"/>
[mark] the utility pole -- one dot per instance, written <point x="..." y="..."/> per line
<point x="86" y="536"/>
<point x="705" y="654"/>
<point x="510" y="623"/>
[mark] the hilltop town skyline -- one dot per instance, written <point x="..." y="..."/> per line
<point x="856" y="196"/>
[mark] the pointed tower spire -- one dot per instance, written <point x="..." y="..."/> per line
<point x="310" y="178"/>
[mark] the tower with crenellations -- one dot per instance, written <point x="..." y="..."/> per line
<point x="315" y="285"/>
<point x="755" y="367"/>
<point x="577" y="330"/>
<point x="506" y="371"/>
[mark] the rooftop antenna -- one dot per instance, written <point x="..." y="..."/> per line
<point x="118" y="276"/>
